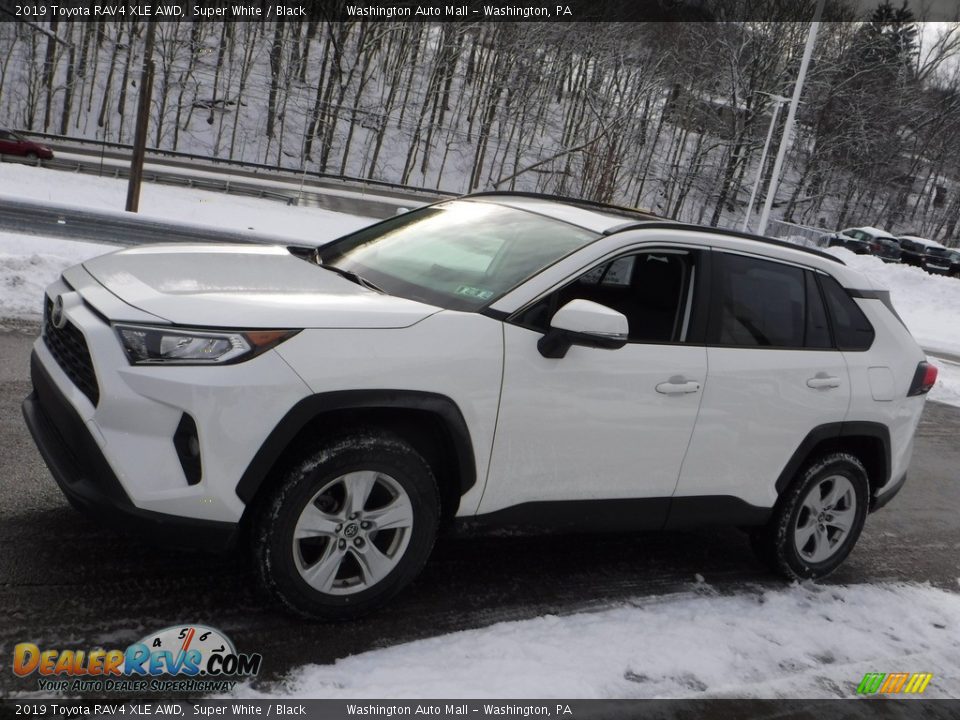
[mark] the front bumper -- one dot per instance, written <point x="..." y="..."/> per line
<point x="86" y="478"/>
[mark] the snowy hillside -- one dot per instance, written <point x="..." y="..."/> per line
<point x="667" y="117"/>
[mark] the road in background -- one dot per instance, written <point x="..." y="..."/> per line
<point x="31" y="217"/>
<point x="346" y="195"/>
<point x="66" y="581"/>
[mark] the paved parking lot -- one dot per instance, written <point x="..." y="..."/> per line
<point x="68" y="582"/>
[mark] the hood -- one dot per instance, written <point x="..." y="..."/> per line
<point x="250" y="286"/>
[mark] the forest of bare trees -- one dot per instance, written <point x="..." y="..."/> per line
<point x="665" y="116"/>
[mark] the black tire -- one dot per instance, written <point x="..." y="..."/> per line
<point x="281" y="563"/>
<point x="788" y="545"/>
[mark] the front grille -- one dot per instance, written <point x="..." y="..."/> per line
<point x="69" y="349"/>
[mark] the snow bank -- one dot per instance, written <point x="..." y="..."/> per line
<point x="183" y="205"/>
<point x="929" y="304"/>
<point x="947" y="389"/>
<point x="28" y="264"/>
<point x="804" y="641"/>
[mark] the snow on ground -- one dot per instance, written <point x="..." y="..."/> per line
<point x="929" y="304"/>
<point x="804" y="641"/>
<point x="29" y="263"/>
<point x="175" y="204"/>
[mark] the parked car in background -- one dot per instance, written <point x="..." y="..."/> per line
<point x="867" y="241"/>
<point x="913" y="249"/>
<point x="942" y="261"/>
<point x="955" y="263"/>
<point x="13" y="144"/>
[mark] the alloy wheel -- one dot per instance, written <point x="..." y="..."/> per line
<point x="353" y="532"/>
<point x="827" y="514"/>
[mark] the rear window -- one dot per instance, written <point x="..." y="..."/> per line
<point x="851" y="329"/>
<point x="763" y="303"/>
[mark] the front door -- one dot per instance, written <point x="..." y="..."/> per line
<point x="600" y="425"/>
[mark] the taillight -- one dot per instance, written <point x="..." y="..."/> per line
<point x="923" y="379"/>
<point x="875" y="247"/>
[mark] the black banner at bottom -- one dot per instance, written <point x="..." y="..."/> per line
<point x="852" y="709"/>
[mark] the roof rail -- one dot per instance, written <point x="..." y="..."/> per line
<point x="587" y="204"/>
<point x="723" y="231"/>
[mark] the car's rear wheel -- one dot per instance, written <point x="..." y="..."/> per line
<point x="818" y="521"/>
<point x="351" y="524"/>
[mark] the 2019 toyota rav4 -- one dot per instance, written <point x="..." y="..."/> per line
<point x="503" y="358"/>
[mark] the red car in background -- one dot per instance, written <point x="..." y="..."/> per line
<point x="13" y="144"/>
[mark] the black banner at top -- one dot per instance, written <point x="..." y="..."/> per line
<point x="458" y="11"/>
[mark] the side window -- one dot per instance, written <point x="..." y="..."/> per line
<point x="653" y="289"/>
<point x="851" y="328"/>
<point x="759" y="303"/>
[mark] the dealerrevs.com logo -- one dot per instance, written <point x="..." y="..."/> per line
<point x="192" y="658"/>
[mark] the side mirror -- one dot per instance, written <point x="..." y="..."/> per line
<point x="585" y="323"/>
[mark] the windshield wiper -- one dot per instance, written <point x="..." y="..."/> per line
<point x="352" y="276"/>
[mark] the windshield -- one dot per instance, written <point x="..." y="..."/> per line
<point x="939" y="252"/>
<point x="459" y="255"/>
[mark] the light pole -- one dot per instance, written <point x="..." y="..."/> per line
<point x="791" y="116"/>
<point x="303" y="175"/>
<point x="143" y="121"/>
<point x="778" y="100"/>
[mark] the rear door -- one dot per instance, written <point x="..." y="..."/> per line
<point x="774" y="375"/>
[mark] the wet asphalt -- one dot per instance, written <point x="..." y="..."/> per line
<point x="66" y="581"/>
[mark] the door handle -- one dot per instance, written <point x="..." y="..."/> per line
<point x="678" y="385"/>
<point x="822" y="381"/>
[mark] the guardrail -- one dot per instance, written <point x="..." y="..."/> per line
<point x="291" y="173"/>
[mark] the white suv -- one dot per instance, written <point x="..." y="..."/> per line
<point x="506" y="358"/>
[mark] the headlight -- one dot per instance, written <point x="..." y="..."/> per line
<point x="146" y="345"/>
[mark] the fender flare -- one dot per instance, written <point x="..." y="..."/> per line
<point x="314" y="406"/>
<point x="836" y="431"/>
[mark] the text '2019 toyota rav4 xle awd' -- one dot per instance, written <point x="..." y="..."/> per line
<point x="507" y="358"/>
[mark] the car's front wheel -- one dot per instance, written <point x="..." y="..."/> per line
<point x="350" y="525"/>
<point x="818" y="521"/>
